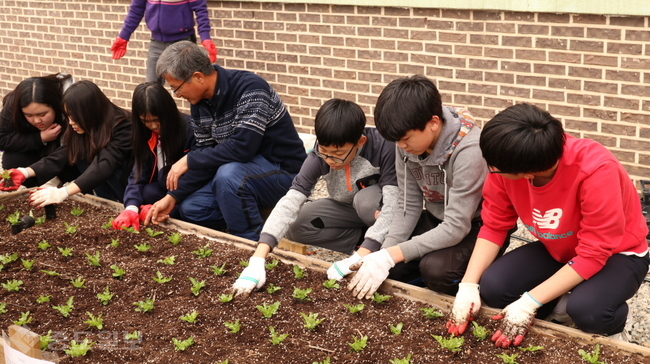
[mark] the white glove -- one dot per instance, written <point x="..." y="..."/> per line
<point x="517" y="316"/>
<point x="24" y="171"/>
<point x="340" y="269"/>
<point x="372" y="274"/>
<point x="253" y="277"/>
<point x="48" y="196"/>
<point x="466" y="306"/>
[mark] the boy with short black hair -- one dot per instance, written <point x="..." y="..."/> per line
<point x="358" y="166"/>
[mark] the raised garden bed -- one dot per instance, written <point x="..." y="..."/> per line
<point x="212" y="340"/>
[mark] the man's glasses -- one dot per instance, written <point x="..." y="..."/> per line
<point x="175" y="90"/>
<point x="325" y="156"/>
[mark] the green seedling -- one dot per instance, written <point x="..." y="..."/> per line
<point x="222" y="362"/>
<point x="431" y="312"/>
<point x="203" y="252"/>
<point x="531" y="348"/>
<point x="76" y="211"/>
<point x="354" y="308"/>
<point x="298" y="273"/>
<point x="311" y="320"/>
<point x="243" y="263"/>
<point x="78" y="282"/>
<point x="8" y="258"/>
<point x="301" y="294"/>
<point x="168" y="260"/>
<point x="507" y="359"/>
<point x="225" y="298"/>
<point x="43" y="298"/>
<point x="159" y="278"/>
<point x="175" y="238"/>
<point x="271" y="288"/>
<point x="135" y="335"/>
<point x="326" y="361"/>
<point x="79" y="349"/>
<point x="117" y="271"/>
<point x="359" y="343"/>
<point x="276" y="338"/>
<point x="94" y="321"/>
<point x="2" y="207"/>
<point x="142" y="247"/>
<point x="46" y="340"/>
<point x="3" y="308"/>
<point x="94" y="259"/>
<point x="591" y="357"/>
<point x="65" y="310"/>
<point x="109" y="224"/>
<point x="50" y="273"/>
<point x="331" y="283"/>
<point x="152" y="233"/>
<point x="273" y="264"/>
<point x="114" y="243"/>
<point x="24" y="319"/>
<point x="452" y="344"/>
<point x="397" y="329"/>
<point x="70" y="229"/>
<point x="197" y="286"/>
<point x="43" y="245"/>
<point x="14" y="218"/>
<point x="182" y="345"/>
<point x="268" y="310"/>
<point x="12" y="285"/>
<point x="219" y="270"/>
<point x="479" y="331"/>
<point x="406" y="360"/>
<point x="27" y="264"/>
<point x="66" y="252"/>
<point x="190" y="317"/>
<point x="106" y="296"/>
<point x="144" y="306"/>
<point x="39" y="220"/>
<point x="130" y="229"/>
<point x="380" y="298"/>
<point x="233" y="327"/>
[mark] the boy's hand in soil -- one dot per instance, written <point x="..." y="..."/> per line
<point x="466" y="306"/>
<point x="48" y="196"/>
<point x="252" y="278"/>
<point x="17" y="176"/>
<point x="373" y="271"/>
<point x="340" y="269"/>
<point x="127" y="218"/>
<point x="516" y="317"/>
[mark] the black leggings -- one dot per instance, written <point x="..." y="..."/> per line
<point x="596" y="305"/>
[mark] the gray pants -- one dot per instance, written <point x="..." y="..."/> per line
<point x="334" y="225"/>
<point x="155" y="50"/>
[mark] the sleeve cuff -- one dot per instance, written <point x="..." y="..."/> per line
<point x="371" y="244"/>
<point x="269" y="240"/>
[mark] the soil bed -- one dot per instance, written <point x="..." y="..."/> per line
<point x="213" y="342"/>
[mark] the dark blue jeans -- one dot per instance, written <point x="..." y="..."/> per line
<point x="234" y="196"/>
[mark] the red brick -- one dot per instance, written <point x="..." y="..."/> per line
<point x="410" y="46"/>
<point x="445" y="86"/>
<point x="344" y="53"/>
<point x="469" y="75"/>
<point x="439" y="24"/>
<point x="553" y="18"/>
<point x="480" y="89"/>
<point x="600" y="114"/>
<point x="531" y="54"/>
<point x="423" y="35"/>
<point x="333" y="19"/>
<point x="460" y="99"/>
<point x="452" y="37"/>
<point x="604" y="33"/>
<point x="368" y="54"/>
<point x="357" y="87"/>
<point x="637" y="35"/>
<point x="644" y="133"/>
<point x="511" y="41"/>
<point x="635" y="90"/>
<point x="324" y="29"/>
<point x="531" y="80"/>
<point x="438" y="48"/>
<point x="580" y="125"/>
<point x="498" y="52"/>
<point x="601" y="87"/>
<point x="483" y="39"/>
<point x="601" y="60"/>
<point x="486" y="15"/>
<point x="627" y="76"/>
<point x="548" y="95"/>
<point x="519" y="16"/>
<point x="470" y="26"/>
<point x="583" y="72"/>
<point x="552" y="43"/>
<point x="308" y="38"/>
<point x="426" y="12"/>
<point x="397" y="11"/>
<point x="549" y="69"/>
<point x="358" y="20"/>
<point x="497" y="103"/>
<point x="369" y="77"/>
<point x="635" y="144"/>
<point x="500" y="28"/>
<point x="499" y="77"/>
<point x="457" y="14"/>
<point x="349" y="30"/>
<point x="483" y="64"/>
<point x="416" y="22"/>
<point x="590" y="19"/>
<point x="318" y="8"/>
<point x="357" y="42"/>
<point x="646" y="106"/>
<point x="468" y="50"/>
<point x="586" y="46"/>
<point x="382" y="44"/>
<point x="627" y="21"/>
<point x="515" y="66"/>
<point x="384" y="21"/>
<point x="533" y="29"/>
<point x="369" y="32"/>
<point x="396" y="57"/>
<point x="562" y="57"/>
<point x="335" y="41"/>
<point x="582" y="99"/>
<point x="452" y="61"/>
<point x="411" y="69"/>
<point x="618" y="129"/>
<point x="632" y="62"/>
<point x="344" y="9"/>
<point x="621" y="103"/>
<point x="557" y="110"/>
<point x="384" y="67"/>
<point x="439" y="72"/>
<point x="422" y="58"/>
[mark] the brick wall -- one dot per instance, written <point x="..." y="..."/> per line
<point x="591" y="71"/>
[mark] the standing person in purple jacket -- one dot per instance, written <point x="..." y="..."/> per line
<point x="169" y="21"/>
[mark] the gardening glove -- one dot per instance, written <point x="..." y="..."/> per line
<point x="144" y="211"/>
<point x="466" y="306"/>
<point x="48" y="196"/>
<point x="372" y="273"/>
<point x="127" y="218"/>
<point x="212" y="49"/>
<point x="119" y="48"/>
<point x="18" y="176"/>
<point x="517" y="316"/>
<point x="253" y="277"/>
<point x="340" y="269"/>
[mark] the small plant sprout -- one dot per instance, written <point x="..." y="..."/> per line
<point x="79" y="349"/>
<point x="76" y="211"/>
<point x="298" y="273"/>
<point x="268" y="310"/>
<point x="24" y="319"/>
<point x="39" y="220"/>
<point x="70" y="229"/>
<point x="94" y="321"/>
<point x="114" y="243"/>
<point x="508" y="359"/>
<point x="223" y="362"/>
<point x="326" y="361"/>
<point x="271" y="288"/>
<point x="203" y="252"/>
<point x="43" y="245"/>
<point x="94" y="259"/>
<point x="3" y="308"/>
<point x="531" y="348"/>
<point x="144" y="306"/>
<point x="431" y="312"/>
<point x="66" y="252"/>
<point x="8" y="258"/>
<point x="406" y="360"/>
<point x="14" y="218"/>
<point x="12" y="285"/>
<point x="219" y="270"/>
<point x="354" y="308"/>
<point x="397" y="329"/>
<point x="225" y="298"/>
<point x="117" y="271"/>
<point x="592" y="357"/>
<point x="359" y="343"/>
<point x="46" y="340"/>
<point x="27" y="264"/>
<point x="182" y="345"/>
<point x="243" y="263"/>
<point x="380" y="298"/>
<point x="50" y="273"/>
<point x="109" y="224"/>
<point x="190" y="317"/>
<point x="65" y="310"/>
<point x="168" y="260"/>
<point x="452" y="344"/>
<point x="175" y="238"/>
<point x="159" y="278"/>
<point x="233" y="327"/>
<point x="301" y="294"/>
<point x="142" y="247"/>
<point x="331" y="283"/>
<point x="276" y="338"/>
<point x="78" y="282"/>
<point x="479" y="331"/>
<point x="273" y="264"/>
<point x="153" y="233"/>
<point x="130" y="229"/>
<point x="43" y="298"/>
<point x="197" y="286"/>
<point x="106" y="296"/>
<point x="135" y="335"/>
<point x="311" y="320"/>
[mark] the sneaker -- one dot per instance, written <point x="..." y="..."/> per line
<point x="622" y="336"/>
<point x="559" y="314"/>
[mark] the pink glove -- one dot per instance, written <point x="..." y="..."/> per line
<point x="17" y="176"/>
<point x="212" y="49"/>
<point x="127" y="218"/>
<point x="119" y="48"/>
<point x="144" y="210"/>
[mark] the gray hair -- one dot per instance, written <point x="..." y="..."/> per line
<point x="181" y="59"/>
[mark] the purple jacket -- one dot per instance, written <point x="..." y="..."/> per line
<point x="168" y="20"/>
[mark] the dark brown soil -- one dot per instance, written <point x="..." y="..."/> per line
<point x="213" y="342"/>
<point x="7" y="182"/>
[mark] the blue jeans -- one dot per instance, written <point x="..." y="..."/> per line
<point x="234" y="196"/>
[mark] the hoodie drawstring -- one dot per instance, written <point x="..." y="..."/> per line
<point x="404" y="159"/>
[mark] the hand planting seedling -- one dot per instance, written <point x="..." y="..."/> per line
<point x="452" y="344"/>
<point x="276" y="338"/>
<point x="175" y="238"/>
<point x="109" y="224"/>
<point x="12" y="285"/>
<point x="203" y="252"/>
<point x="106" y="296"/>
<point x="27" y="264"/>
<point x="190" y="317"/>
<point x="271" y="265"/>
<point x="50" y="273"/>
<point x="531" y="348"/>
<point x="76" y="211"/>
<point x="301" y="294"/>
<point x="135" y="335"/>
<point x="479" y="331"/>
<point x="354" y="308"/>
<point x="168" y="260"/>
<point x="142" y="247"/>
<point x="182" y="345"/>
<point x="591" y="358"/>
<point x="78" y="282"/>
<point x="233" y="327"/>
<point x="431" y="313"/>
<point x="225" y="298"/>
<point x="153" y="233"/>
<point x="65" y="310"/>
<point x="359" y="343"/>
<point x="271" y="288"/>
<point x="331" y="283"/>
<point x="507" y="359"/>
<point x="79" y="349"/>
<point x="43" y="298"/>
<point x="114" y="243"/>
<point x="268" y="310"/>
<point x="94" y="259"/>
<point x="70" y="229"/>
<point x="380" y="298"/>
<point x="43" y="245"/>
<point x="397" y="329"/>
<point x="6" y="179"/>
<point x="159" y="278"/>
<point x="311" y="321"/>
<point x="66" y="252"/>
<point x="24" y="319"/>
<point x="197" y="286"/>
<point x="144" y="306"/>
<point x="117" y="271"/>
<point x="406" y="360"/>
<point x="46" y="340"/>
<point x="298" y="272"/>
<point x="219" y="270"/>
<point x="94" y="321"/>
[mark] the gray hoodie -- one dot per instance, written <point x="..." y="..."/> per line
<point x="449" y="181"/>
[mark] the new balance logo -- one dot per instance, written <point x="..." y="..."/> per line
<point x="549" y="220"/>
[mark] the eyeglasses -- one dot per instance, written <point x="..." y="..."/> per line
<point x="175" y="90"/>
<point x="325" y="156"/>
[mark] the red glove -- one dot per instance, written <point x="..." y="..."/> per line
<point x="119" y="48"/>
<point x="126" y="218"/>
<point x="212" y="49"/>
<point x="144" y="210"/>
<point x="18" y="176"/>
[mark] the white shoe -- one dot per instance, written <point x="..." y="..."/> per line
<point x="622" y="336"/>
<point x="559" y="314"/>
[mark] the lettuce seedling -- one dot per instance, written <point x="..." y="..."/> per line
<point x="479" y="331"/>
<point x="76" y="211"/>
<point x="135" y="335"/>
<point x="114" y="243"/>
<point x="43" y="298"/>
<point x="271" y="288"/>
<point x="243" y="263"/>
<point x="397" y="329"/>
<point x="130" y="229"/>
<point x="14" y="218"/>
<point x="273" y="264"/>
<point x="159" y="278"/>
<point x="431" y="312"/>
<point x="106" y="296"/>
<point x="190" y="317"/>
<point x="182" y="345"/>
<point x="78" y="282"/>
<point x="219" y="270"/>
<point x="223" y="362"/>
<point x="311" y="321"/>
<point x="175" y="238"/>
<point x="168" y="260"/>
<point x="452" y="344"/>
<point x="592" y="357"/>
<point x="326" y="361"/>
<point x="65" y="310"/>
<point x="354" y="308"/>
<point x="301" y="294"/>
<point x="24" y="319"/>
<point x="197" y="286"/>
<point x="27" y="264"/>
<point x="225" y="298"/>
<point x="8" y="258"/>
<point x="233" y="327"/>
<point x="380" y="298"/>
<point x="70" y="229"/>
<point x="50" y="273"/>
<point x="117" y="271"/>
<point x="531" y="348"/>
<point x="203" y="252"/>
<point x="153" y="233"/>
<point x="142" y="247"/>
<point x="39" y="220"/>
<point x="94" y="321"/>
<point x="268" y="310"/>
<point x="359" y="343"/>
<point x="3" y="308"/>
<point x="144" y="306"/>
<point x="406" y="360"/>
<point x="94" y="259"/>
<point x="109" y="224"/>
<point x="331" y="283"/>
<point x="276" y="338"/>
<point x="66" y="252"/>
<point x="43" y="245"/>
<point x="298" y="273"/>
<point x="79" y="349"/>
<point x="46" y="340"/>
<point x="12" y="285"/>
<point x="508" y="359"/>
